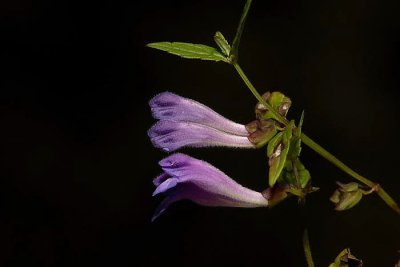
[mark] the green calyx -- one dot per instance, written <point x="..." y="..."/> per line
<point x="348" y="195"/>
<point x="265" y="127"/>
<point x="278" y="101"/>
<point x="277" y="152"/>
<point x="287" y="174"/>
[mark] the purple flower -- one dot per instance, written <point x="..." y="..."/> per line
<point x="185" y="177"/>
<point x="185" y="122"/>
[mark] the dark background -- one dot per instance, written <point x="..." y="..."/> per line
<point x="76" y="164"/>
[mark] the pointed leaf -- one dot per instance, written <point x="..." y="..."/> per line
<point x="222" y="43"/>
<point x="188" y="50"/>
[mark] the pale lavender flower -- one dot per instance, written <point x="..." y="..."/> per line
<point x="185" y="122"/>
<point x="185" y="177"/>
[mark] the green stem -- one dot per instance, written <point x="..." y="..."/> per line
<point x="320" y="150"/>
<point x="234" y="54"/>
<point x="307" y="249"/>
<point x="331" y="158"/>
<point x="246" y="80"/>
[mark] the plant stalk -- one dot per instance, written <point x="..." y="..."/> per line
<point x="319" y="149"/>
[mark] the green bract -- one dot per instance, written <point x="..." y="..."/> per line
<point x="222" y="43"/>
<point x="279" y="148"/>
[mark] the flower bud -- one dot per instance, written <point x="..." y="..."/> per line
<point x="346" y="196"/>
<point x="277" y="101"/>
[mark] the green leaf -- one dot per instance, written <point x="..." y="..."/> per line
<point x="188" y="50"/>
<point x="234" y="53"/>
<point x="276" y="163"/>
<point x="222" y="43"/>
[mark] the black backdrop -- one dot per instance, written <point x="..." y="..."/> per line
<point x="76" y="164"/>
